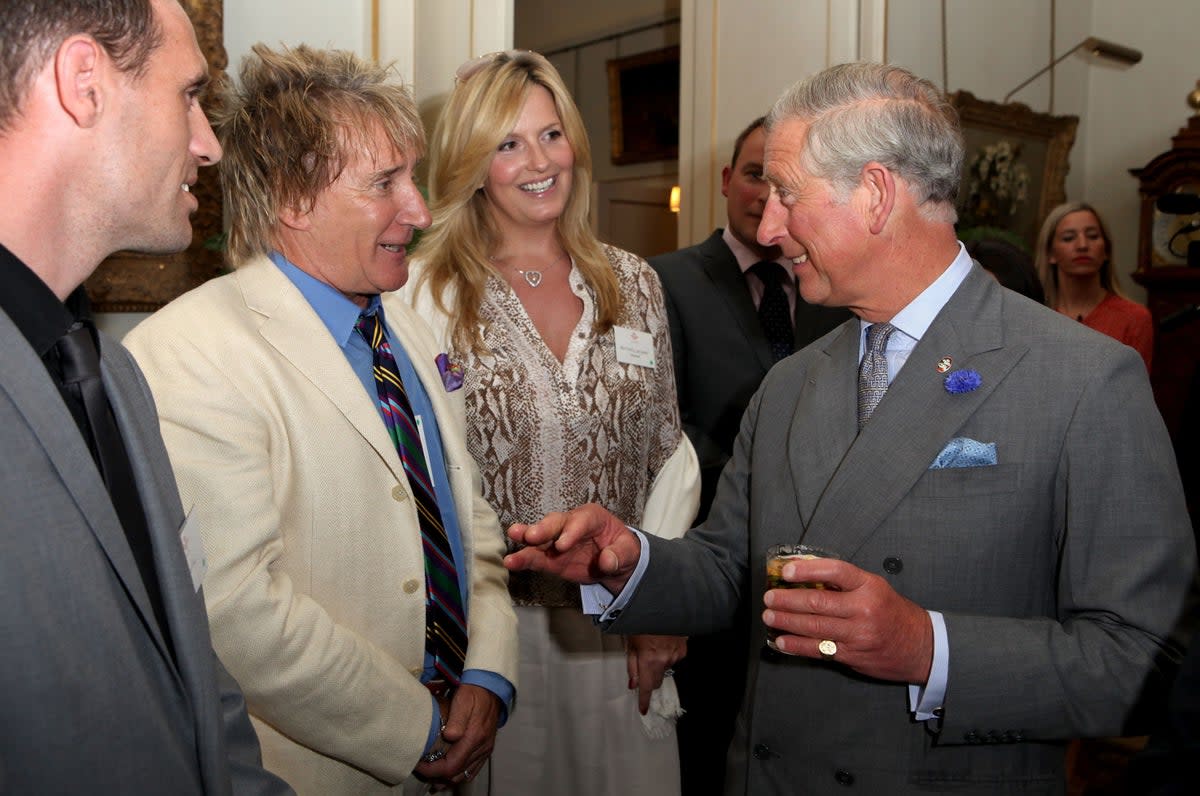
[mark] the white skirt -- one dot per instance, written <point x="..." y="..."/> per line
<point x="576" y="730"/>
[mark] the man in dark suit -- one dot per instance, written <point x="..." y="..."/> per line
<point x="734" y="312"/>
<point x="110" y="684"/>
<point x="996" y="480"/>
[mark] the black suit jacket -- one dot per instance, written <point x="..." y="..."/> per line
<point x="721" y="353"/>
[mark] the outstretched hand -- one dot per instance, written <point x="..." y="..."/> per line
<point x="585" y="545"/>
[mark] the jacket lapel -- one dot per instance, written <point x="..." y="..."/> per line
<point x="38" y="400"/>
<point x="292" y="328"/>
<point x="824" y="422"/>
<point x="416" y="337"/>
<point x="916" y="418"/>
<point x="721" y="268"/>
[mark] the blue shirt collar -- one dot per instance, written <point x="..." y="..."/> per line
<point x="338" y="313"/>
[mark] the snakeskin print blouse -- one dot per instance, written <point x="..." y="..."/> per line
<point x="550" y="436"/>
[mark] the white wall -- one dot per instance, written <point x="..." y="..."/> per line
<point x="1132" y="115"/>
<point x="340" y="24"/>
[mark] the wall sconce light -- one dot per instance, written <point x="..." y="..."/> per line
<point x="1107" y="50"/>
<point x="673" y="202"/>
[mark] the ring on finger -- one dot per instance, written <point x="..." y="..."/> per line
<point x="827" y="649"/>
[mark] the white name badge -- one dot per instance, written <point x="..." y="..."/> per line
<point x="193" y="552"/>
<point x="425" y="448"/>
<point x="634" y="347"/>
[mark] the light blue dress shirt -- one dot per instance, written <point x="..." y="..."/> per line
<point x="911" y="324"/>
<point x="340" y="314"/>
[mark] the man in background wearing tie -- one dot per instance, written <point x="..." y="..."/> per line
<point x="1015" y="549"/>
<point x="109" y="683"/>
<point x="355" y="585"/>
<point x="734" y="312"/>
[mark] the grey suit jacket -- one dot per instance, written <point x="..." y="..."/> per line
<point x="721" y="353"/>
<point x="1061" y="570"/>
<point x="91" y="700"/>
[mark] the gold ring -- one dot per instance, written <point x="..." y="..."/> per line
<point x="827" y="649"/>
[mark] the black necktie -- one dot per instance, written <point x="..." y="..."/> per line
<point x="80" y="363"/>
<point x="773" y="311"/>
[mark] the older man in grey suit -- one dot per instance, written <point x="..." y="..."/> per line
<point x="110" y="684"/>
<point x="996" y="479"/>
<point x="735" y="311"/>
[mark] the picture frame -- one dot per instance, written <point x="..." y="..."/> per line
<point x="133" y="282"/>
<point x="643" y="98"/>
<point x="1043" y="145"/>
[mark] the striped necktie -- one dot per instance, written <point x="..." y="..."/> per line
<point x="445" y="627"/>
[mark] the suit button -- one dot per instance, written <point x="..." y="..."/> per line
<point x="844" y="777"/>
<point x="398" y="494"/>
<point x="411" y="586"/>
<point x="892" y="565"/>
<point x="970" y="736"/>
<point x="1018" y="737"/>
<point x="762" y="751"/>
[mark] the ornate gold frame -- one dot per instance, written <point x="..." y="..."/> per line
<point x="131" y="282"/>
<point x="1049" y="137"/>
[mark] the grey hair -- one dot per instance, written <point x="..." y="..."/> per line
<point x="863" y="112"/>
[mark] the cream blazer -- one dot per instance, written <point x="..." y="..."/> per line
<point x="315" y="582"/>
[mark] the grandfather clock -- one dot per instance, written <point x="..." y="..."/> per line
<point x="1169" y="262"/>
<point x="1169" y="269"/>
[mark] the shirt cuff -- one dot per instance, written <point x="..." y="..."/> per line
<point x="493" y="682"/>
<point x="598" y="601"/>
<point x="926" y="701"/>
<point x="486" y="680"/>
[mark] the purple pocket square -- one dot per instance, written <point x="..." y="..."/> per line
<point x="452" y="372"/>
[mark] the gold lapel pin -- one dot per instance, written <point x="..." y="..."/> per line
<point x="944" y="364"/>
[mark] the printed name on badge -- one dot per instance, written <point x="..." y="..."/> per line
<point x="634" y="347"/>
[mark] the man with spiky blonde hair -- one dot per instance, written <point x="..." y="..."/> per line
<point x="354" y="586"/>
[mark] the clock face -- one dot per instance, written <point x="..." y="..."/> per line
<point x="1169" y="233"/>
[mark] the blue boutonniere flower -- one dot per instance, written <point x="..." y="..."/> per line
<point x="452" y="372"/>
<point x="960" y="381"/>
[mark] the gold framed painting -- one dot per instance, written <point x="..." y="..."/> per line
<point x="1016" y="164"/>
<point x="643" y="101"/>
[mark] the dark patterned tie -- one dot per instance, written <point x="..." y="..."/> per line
<point x="773" y="311"/>
<point x="445" y="627"/>
<point x="873" y="371"/>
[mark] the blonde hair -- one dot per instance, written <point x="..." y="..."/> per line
<point x="287" y="129"/>
<point x="483" y="108"/>
<point x="1048" y="272"/>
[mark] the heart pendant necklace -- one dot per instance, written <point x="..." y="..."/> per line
<point x="532" y="276"/>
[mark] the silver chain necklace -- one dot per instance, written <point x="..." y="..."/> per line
<point x="532" y="276"/>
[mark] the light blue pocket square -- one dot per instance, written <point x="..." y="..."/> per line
<point x="965" y="452"/>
